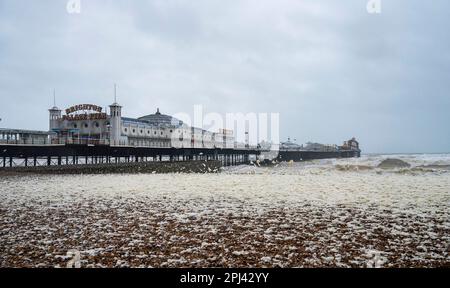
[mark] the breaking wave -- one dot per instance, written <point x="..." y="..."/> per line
<point x="371" y="163"/>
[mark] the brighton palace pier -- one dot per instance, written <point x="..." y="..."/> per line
<point x="88" y="124"/>
<point x="85" y="134"/>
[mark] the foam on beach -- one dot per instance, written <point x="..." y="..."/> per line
<point x="291" y="215"/>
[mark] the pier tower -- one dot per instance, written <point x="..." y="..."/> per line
<point x="115" y="123"/>
<point x="54" y="117"/>
<point x="115" y="132"/>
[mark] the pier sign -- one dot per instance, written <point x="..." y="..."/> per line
<point x="97" y="112"/>
<point x="84" y="107"/>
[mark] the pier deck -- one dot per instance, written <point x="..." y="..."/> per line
<point x="49" y="155"/>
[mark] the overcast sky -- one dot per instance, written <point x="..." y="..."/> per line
<point x="329" y="68"/>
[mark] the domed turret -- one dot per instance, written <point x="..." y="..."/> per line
<point x="159" y="119"/>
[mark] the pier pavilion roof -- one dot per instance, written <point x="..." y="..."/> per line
<point x="159" y="119"/>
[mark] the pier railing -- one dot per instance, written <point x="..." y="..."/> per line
<point x="25" y="141"/>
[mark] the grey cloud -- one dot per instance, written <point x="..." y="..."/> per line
<point x="331" y="70"/>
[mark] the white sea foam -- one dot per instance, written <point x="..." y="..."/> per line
<point x="291" y="215"/>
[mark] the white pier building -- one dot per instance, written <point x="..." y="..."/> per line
<point x="87" y="123"/>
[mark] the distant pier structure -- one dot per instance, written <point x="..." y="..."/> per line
<point x="290" y="151"/>
<point x="87" y="134"/>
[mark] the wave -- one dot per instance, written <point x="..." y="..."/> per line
<point x="400" y="164"/>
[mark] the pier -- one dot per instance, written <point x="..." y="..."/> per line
<point x="89" y="135"/>
<point x="302" y="155"/>
<point x="19" y="155"/>
<point x="59" y="155"/>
